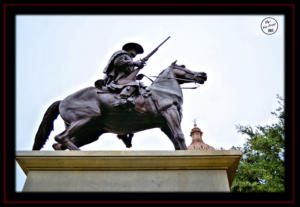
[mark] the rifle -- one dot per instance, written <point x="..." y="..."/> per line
<point x="132" y="75"/>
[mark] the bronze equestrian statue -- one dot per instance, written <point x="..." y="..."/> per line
<point x="93" y="111"/>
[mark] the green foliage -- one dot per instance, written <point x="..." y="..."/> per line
<point x="261" y="168"/>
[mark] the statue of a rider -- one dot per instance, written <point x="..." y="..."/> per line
<point x="119" y="67"/>
<point x="120" y="77"/>
<point x="121" y="71"/>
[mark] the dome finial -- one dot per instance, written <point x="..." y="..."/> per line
<point x="195" y="121"/>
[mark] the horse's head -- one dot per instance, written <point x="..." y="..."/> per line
<point x="184" y="75"/>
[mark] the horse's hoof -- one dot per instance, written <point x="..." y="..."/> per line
<point x="69" y="145"/>
<point x="56" y="146"/>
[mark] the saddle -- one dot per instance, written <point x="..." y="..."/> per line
<point x="115" y="88"/>
<point x="136" y="92"/>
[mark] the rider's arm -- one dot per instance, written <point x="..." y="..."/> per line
<point x="124" y="63"/>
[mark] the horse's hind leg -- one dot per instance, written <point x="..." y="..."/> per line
<point x="80" y="141"/>
<point x="173" y="128"/>
<point x="84" y="139"/>
<point x="64" y="138"/>
<point x="66" y="142"/>
<point x="58" y="146"/>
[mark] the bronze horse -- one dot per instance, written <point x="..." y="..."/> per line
<point x="88" y="113"/>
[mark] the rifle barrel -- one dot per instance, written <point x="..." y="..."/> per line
<point x="153" y="51"/>
<point x="133" y="74"/>
<point x="164" y="41"/>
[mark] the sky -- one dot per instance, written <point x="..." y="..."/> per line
<point x="57" y="55"/>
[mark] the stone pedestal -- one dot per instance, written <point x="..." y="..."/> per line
<point x="128" y="171"/>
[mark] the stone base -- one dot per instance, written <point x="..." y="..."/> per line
<point x="128" y="171"/>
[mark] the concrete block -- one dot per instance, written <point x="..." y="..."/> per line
<point x="128" y="171"/>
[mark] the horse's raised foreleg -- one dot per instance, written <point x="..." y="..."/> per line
<point x="173" y="128"/>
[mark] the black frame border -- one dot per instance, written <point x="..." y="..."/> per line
<point x="9" y="13"/>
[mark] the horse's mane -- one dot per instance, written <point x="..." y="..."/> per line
<point x="162" y="73"/>
<point x="165" y="84"/>
<point x="164" y="70"/>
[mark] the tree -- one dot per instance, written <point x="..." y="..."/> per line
<point x="261" y="167"/>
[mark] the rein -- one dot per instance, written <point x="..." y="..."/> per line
<point x="183" y="79"/>
<point x="195" y="87"/>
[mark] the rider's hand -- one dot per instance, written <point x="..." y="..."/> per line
<point x="139" y="64"/>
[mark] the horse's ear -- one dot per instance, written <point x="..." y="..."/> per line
<point x="174" y="62"/>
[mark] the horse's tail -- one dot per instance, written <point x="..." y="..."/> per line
<point x="46" y="126"/>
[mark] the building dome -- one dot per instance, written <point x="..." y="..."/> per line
<point x="197" y="141"/>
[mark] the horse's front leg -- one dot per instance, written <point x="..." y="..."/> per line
<point x="173" y="128"/>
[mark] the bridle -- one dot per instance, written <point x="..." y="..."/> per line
<point x="182" y="79"/>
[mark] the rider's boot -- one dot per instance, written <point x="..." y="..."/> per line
<point x="130" y="101"/>
<point x="126" y="138"/>
<point x="126" y="101"/>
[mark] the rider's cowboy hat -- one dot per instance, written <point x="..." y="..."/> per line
<point x="131" y="45"/>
